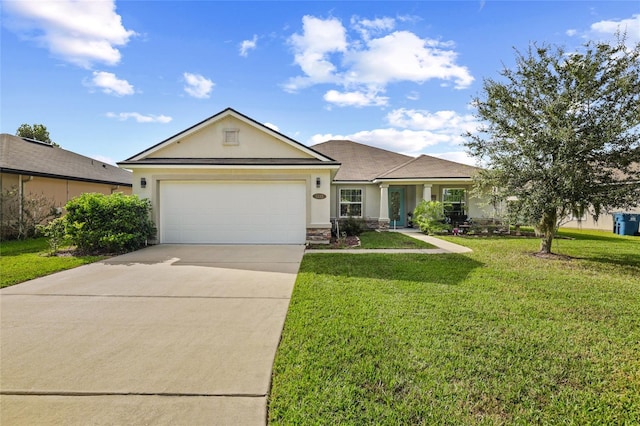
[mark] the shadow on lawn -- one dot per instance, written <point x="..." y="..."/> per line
<point x="448" y="269"/>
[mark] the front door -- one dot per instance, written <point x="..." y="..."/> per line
<point x="396" y="207"/>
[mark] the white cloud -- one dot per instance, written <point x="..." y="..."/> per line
<point x="367" y="27"/>
<point x="104" y="159"/>
<point x="403" y="56"/>
<point x="272" y="126"/>
<point x="608" y="29"/>
<point x="110" y="84"/>
<point x="368" y="59"/>
<point x="409" y="142"/>
<point x="357" y="99"/>
<point x="312" y="49"/>
<point x="197" y="86"/>
<point x="140" y="118"/>
<point x="446" y="122"/>
<point x="414" y="132"/>
<point x="458" y="157"/>
<point x="247" y="45"/>
<point x="80" y="32"/>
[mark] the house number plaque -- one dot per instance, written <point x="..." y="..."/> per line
<point x="319" y="196"/>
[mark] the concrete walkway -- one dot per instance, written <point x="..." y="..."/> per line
<point x="168" y="335"/>
<point x="442" y="246"/>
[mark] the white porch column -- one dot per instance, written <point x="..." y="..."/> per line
<point x="426" y="192"/>
<point x="384" y="202"/>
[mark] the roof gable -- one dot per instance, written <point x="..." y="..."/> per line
<point x="29" y="157"/>
<point x="206" y="140"/>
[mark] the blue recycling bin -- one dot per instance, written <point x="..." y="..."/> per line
<point x="626" y="223"/>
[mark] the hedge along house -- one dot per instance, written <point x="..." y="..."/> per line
<point x="384" y="187"/>
<point x="232" y="180"/>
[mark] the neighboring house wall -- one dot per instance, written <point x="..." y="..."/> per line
<point x="60" y="191"/>
<point x="604" y="223"/>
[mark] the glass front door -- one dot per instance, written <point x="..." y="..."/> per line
<point x="396" y="207"/>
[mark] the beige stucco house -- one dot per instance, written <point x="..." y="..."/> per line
<point x="38" y="168"/>
<point x="230" y="179"/>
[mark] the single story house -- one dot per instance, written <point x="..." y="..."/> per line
<point x="230" y="179"/>
<point x="605" y="222"/>
<point x="34" y="167"/>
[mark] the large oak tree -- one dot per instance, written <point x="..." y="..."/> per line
<point x="560" y="134"/>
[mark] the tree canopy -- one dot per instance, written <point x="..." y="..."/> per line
<point x="560" y="134"/>
<point x="37" y="132"/>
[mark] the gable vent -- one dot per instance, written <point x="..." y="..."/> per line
<point x="231" y="137"/>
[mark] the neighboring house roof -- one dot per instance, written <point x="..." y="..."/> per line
<point x="366" y="163"/>
<point x="30" y="157"/>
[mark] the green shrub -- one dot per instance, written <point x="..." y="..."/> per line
<point x="55" y="233"/>
<point x="116" y="223"/>
<point x="352" y="226"/>
<point x="429" y="216"/>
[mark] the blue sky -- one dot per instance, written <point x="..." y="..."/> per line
<point x="110" y="79"/>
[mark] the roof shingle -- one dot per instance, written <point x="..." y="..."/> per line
<point x="366" y="163"/>
<point x="25" y="156"/>
<point x="360" y="162"/>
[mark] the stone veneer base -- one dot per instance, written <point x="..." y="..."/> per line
<point x="318" y="235"/>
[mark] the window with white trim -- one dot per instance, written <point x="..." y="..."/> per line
<point x="350" y="202"/>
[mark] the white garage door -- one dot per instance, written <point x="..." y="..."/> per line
<point x="232" y="213"/>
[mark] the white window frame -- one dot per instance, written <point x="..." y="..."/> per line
<point x="340" y="202"/>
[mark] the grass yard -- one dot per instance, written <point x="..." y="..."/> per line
<point x="390" y="240"/>
<point x="25" y="260"/>
<point x="493" y="337"/>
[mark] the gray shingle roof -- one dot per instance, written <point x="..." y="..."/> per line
<point x="360" y="162"/>
<point x="25" y="156"/>
<point x="428" y="167"/>
<point x="366" y="163"/>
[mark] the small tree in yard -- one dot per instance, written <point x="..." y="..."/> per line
<point x="55" y="233"/>
<point x="116" y="223"/>
<point x="561" y="134"/>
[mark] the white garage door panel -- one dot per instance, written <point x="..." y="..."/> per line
<point x="229" y="213"/>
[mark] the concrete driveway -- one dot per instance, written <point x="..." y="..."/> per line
<point x="172" y="334"/>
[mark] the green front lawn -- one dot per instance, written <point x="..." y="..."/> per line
<point x="25" y="260"/>
<point x="390" y="240"/>
<point x="496" y="336"/>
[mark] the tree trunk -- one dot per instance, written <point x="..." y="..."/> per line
<point x="546" y="230"/>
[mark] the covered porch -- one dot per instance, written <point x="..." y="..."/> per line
<point x="398" y="201"/>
